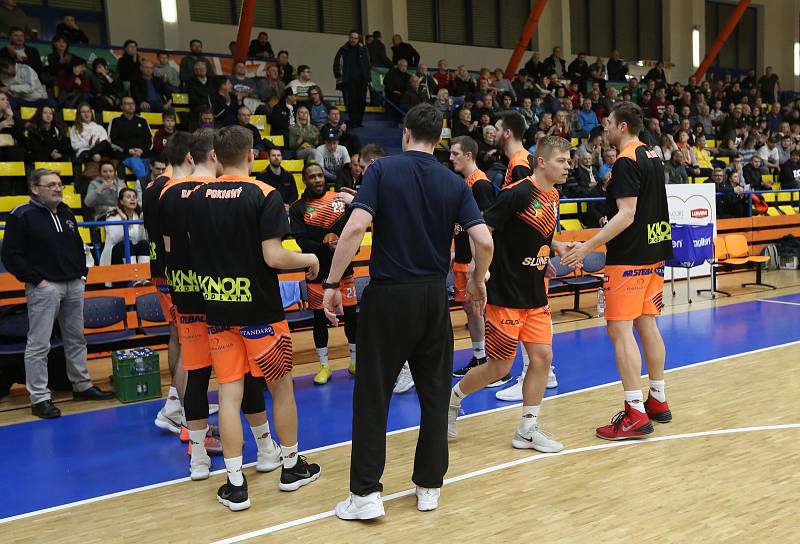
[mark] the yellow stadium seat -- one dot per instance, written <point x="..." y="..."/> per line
<point x="131" y="185"/>
<point x="374" y="109"/>
<point x="12" y="169"/>
<point x="69" y="189"/>
<point x="772" y="212"/>
<point x="277" y="140"/>
<point x="711" y="143"/>
<point x="769" y="197"/>
<point x="63" y="168"/>
<point x="293" y="165"/>
<point x="259" y="166"/>
<point x="182" y="110"/>
<point x="701" y="179"/>
<point x="584" y="207"/>
<point x="776" y="186"/>
<point x="73" y="201"/>
<point x="180" y="99"/>
<point x="259" y="121"/>
<point x="109" y="115"/>
<point x="26" y="112"/>
<point x="571" y="224"/>
<point x="152" y="118"/>
<point x="725" y="160"/>
<point x="341" y="107"/>
<point x="153" y="131"/>
<point x="575" y="142"/>
<point x="291" y="245"/>
<point x="298" y="181"/>
<point x="784" y="197"/>
<point x="788" y="210"/>
<point x="69" y="114"/>
<point x="8" y="203"/>
<point x="767" y="177"/>
<point x="570" y="208"/>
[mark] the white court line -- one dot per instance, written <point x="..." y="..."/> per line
<point x="496" y="468"/>
<point x="390" y="433"/>
<point x="778" y="302"/>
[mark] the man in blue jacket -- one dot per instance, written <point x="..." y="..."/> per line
<point x="43" y="250"/>
<point x="351" y="70"/>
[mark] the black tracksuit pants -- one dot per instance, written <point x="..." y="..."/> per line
<point x="402" y="320"/>
<point x="355" y="97"/>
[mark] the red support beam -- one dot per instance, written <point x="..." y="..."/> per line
<point x="712" y="53"/>
<point x="525" y="38"/>
<point x="245" y="29"/>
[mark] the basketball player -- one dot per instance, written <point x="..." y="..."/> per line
<point x="522" y="221"/>
<point x="638" y="240"/>
<point x="317" y="220"/>
<point x="236" y="232"/>
<point x="192" y="328"/>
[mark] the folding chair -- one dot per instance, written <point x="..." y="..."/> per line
<point x="740" y="254"/>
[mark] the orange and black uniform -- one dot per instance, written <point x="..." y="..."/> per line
<point x="484" y="194"/>
<point x="523" y="219"/>
<point x="242" y="301"/>
<point x="152" y="224"/>
<point x="634" y="282"/>
<point x="519" y="167"/>
<point x="312" y="221"/>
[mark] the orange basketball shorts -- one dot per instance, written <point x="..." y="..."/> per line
<point x="460" y="278"/>
<point x="193" y="336"/>
<point x="347" y="287"/>
<point x="262" y="350"/>
<point x="165" y="300"/>
<point x="633" y="290"/>
<point x="505" y="327"/>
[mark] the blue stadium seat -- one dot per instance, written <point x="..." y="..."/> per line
<point x="301" y="317"/>
<point x="361" y="284"/>
<point x="102" y="312"/>
<point x="593" y="262"/>
<point x="13" y="330"/>
<point x="148" y="310"/>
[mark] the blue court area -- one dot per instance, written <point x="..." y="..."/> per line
<point x="76" y="457"/>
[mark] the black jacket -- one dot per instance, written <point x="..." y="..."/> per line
<point x="43" y="142"/>
<point x="549" y="66"/>
<point x="283" y="183"/>
<point x="127" y="68"/>
<point x="280" y="119"/>
<point x="74" y="35"/>
<point x="395" y="83"/>
<point x="578" y="72"/>
<point x="129" y="133"/>
<point x="377" y="53"/>
<point x="199" y="92"/>
<point x="34" y="58"/>
<point x="256" y="48"/>
<point x="616" y="70"/>
<point x="351" y="63"/>
<point x="40" y="244"/>
<point x="405" y="51"/>
<point x="139" y="90"/>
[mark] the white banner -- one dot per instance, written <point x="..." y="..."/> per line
<point x="692" y="204"/>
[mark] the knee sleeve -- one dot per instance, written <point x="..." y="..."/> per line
<point x="195" y="399"/>
<point x="320" y="329"/>
<point x="350" y="323"/>
<point x="253" y="396"/>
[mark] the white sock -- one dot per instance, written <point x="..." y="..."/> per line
<point x="322" y="355"/>
<point x="456" y="395"/>
<point x="479" y="349"/>
<point x="234" y="468"/>
<point x="635" y="400"/>
<point x="525" y="358"/>
<point x="173" y="404"/>
<point x="352" y="348"/>
<point x="198" y="441"/>
<point x="183" y="417"/>
<point x="263" y="437"/>
<point x="658" y="390"/>
<point x="530" y="416"/>
<point x="289" y="456"/>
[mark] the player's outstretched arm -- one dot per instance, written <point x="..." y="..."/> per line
<point x="621" y="221"/>
<point x="482" y="251"/>
<point x="346" y="249"/>
<point x="278" y="257"/>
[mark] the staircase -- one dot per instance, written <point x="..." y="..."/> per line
<point x="378" y="129"/>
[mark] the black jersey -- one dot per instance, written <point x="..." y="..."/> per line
<point x="230" y="217"/>
<point x="152" y="224"/>
<point x="175" y="217"/>
<point x="638" y="172"/>
<point x="523" y="219"/>
<point x="519" y="167"/>
<point x="484" y="195"/>
<point x="312" y="220"/>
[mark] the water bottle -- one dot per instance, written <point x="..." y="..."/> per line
<point x="601" y="303"/>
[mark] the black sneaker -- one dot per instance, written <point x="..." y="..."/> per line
<point x="299" y="475"/>
<point x="502" y="381"/>
<point x="45" y="410"/>
<point x="234" y="497"/>
<point x="461" y="372"/>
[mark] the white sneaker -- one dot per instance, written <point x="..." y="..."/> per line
<point x="404" y="380"/>
<point x="269" y="460"/>
<point x="452" y="416"/>
<point x="428" y="498"/>
<point x="513" y="393"/>
<point x="168" y="422"/>
<point x="551" y="378"/>
<point x="200" y="467"/>
<point x="358" y="507"/>
<point x="213" y="409"/>
<point x="536" y="439"/>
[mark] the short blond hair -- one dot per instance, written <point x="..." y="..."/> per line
<point x="547" y="146"/>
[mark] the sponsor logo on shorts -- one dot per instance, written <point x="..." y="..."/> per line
<point x="658" y="232"/>
<point x="225" y="289"/>
<point x="509" y="321"/>
<point x="256" y="332"/>
<point x="637" y="272"/>
<point x="192" y="318"/>
<point x="183" y="281"/>
<point x="660" y="271"/>
<point x="216" y="329"/>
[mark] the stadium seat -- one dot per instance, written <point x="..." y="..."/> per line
<point x="298" y="182"/>
<point x="361" y="284"/>
<point x="180" y="99"/>
<point x="769" y="197"/>
<point x="568" y="208"/>
<point x="787" y="210"/>
<point x="69" y="114"/>
<point x="739" y="254"/>
<point x="725" y="160"/>
<point x="594" y="262"/>
<point x="73" y="201"/>
<point x="259" y="121"/>
<point x="293" y="165"/>
<point x="104" y="312"/>
<point x="8" y="203"/>
<point x="152" y="118"/>
<point x="26" y="113"/>
<point x="13" y="329"/>
<point x="64" y="168"/>
<point x="259" y="166"/>
<point x="8" y="169"/>
<point x="148" y="311"/>
<point x="571" y="224"/>
<point x="277" y="140"/>
<point x="304" y="315"/>
<point x="109" y="115"/>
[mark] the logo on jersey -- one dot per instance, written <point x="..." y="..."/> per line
<point x="183" y="281"/>
<point x="224" y="193"/>
<point x="225" y="289"/>
<point x="658" y="232"/>
<point x="541" y="259"/>
<point x="153" y="252"/>
<point x="256" y="332"/>
<point x="310" y="211"/>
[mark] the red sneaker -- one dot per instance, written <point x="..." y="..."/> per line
<point x="657" y="411"/>
<point x="213" y="446"/>
<point x="184" y="434"/>
<point x="626" y="425"/>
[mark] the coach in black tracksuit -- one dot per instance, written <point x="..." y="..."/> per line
<point x="351" y="70"/>
<point x="413" y="203"/>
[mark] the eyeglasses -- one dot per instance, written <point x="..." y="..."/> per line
<point x="51" y="186"/>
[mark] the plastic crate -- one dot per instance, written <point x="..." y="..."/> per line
<point x="136" y="374"/>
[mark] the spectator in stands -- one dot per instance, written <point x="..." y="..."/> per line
<point x="769" y="156"/>
<point x="350" y="177"/>
<point x="578" y="71"/>
<point x="224" y="103"/>
<point x="169" y="128"/>
<point x="58" y="61"/>
<point x="130" y="134"/>
<point x="331" y="156"/>
<point x="21" y="53"/>
<point x="89" y="140"/>
<point x="12" y="140"/>
<point x="166" y="72"/>
<point x="351" y="71"/>
<point x="555" y="63"/>
<point x="127" y="209"/>
<point x="396" y="81"/>
<point x="200" y="87"/>
<point x="205" y="118"/>
<point x="42" y="249"/>
<point x="128" y="64"/>
<point x="657" y="74"/>
<point x="462" y="85"/>
<point x="103" y="191"/>
<point x="69" y="28"/>
<point x="526" y="110"/>
<point x="702" y="156"/>
<point x="22" y="85"/>
<point x="276" y="176"/>
<point x="428" y="87"/>
<point x="790" y="171"/>
<point x="704" y="118"/>
<point x="260" y="47"/>
<point x="683" y="142"/>
<point x="282" y="115"/>
<point x="502" y="84"/>
<point x="403" y="51"/>
<point x="751" y="174"/>
<point x="488" y="153"/>
<point x="774" y="118"/>
<point x="587" y="118"/>
<point x="670" y="120"/>
<point x="245" y="89"/>
<point x="733" y="203"/>
<point x="675" y="170"/>
<point x="188" y="67"/>
<point x="561" y="126"/>
<point x="609" y="156"/>
<point x="243" y="120"/>
<point x="270" y="88"/>
<point x="785" y="148"/>
<point x="769" y="86"/>
<point x="443" y="76"/>
<point x="534" y="66"/>
<point x="346" y="137"/>
<point x="585" y="176"/>
<point x="317" y="107"/>
<point x="149" y="92"/>
<point x="106" y="88"/>
<point x="157" y="167"/>
<point x="411" y="96"/>
<point x="304" y="137"/>
<point x="11" y="16"/>
<point x="47" y="137"/>
<point x="377" y="50"/>
<point x="465" y="126"/>
<point x="74" y="86"/>
<point x="286" y="70"/>
<point x="444" y="104"/>
<point x="302" y="84"/>
<point x="598" y="73"/>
